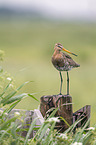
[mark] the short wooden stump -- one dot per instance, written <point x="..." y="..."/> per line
<point x="64" y="104"/>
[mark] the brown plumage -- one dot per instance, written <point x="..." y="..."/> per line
<point x="63" y="62"/>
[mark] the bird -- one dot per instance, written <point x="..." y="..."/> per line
<point x="63" y="62"/>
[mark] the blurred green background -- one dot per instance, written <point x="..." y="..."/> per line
<point x="29" y="44"/>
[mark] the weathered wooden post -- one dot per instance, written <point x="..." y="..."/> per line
<point x="84" y="114"/>
<point x="64" y="104"/>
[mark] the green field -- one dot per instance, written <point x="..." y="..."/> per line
<point x="28" y="47"/>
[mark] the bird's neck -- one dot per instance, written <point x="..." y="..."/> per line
<point x="57" y="51"/>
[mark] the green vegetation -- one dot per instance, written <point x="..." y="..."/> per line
<point x="9" y="98"/>
<point x="46" y="135"/>
<point x="28" y="47"/>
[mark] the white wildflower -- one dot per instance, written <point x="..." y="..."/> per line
<point x="63" y="136"/>
<point x="11" y="85"/>
<point x="91" y="128"/>
<point x="53" y="119"/>
<point x="84" y="135"/>
<point x="9" y="79"/>
<point x="77" y="143"/>
<point x="6" y="114"/>
<point x="17" y="114"/>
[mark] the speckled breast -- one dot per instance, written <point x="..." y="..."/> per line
<point x="63" y="68"/>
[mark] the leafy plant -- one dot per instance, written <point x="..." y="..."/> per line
<point x="9" y="98"/>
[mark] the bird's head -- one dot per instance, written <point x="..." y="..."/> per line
<point x="60" y="47"/>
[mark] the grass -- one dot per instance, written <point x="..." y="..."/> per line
<point x="28" y="47"/>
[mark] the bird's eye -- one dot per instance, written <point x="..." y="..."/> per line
<point x="59" y="46"/>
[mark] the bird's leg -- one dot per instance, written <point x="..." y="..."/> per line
<point x="61" y="82"/>
<point x="67" y="83"/>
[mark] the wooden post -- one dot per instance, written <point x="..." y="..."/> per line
<point x="64" y="103"/>
<point x="84" y="114"/>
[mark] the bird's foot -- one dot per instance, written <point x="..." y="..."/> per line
<point x="60" y="94"/>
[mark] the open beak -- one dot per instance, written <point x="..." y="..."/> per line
<point x="68" y="51"/>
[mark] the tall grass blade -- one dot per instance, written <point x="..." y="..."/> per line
<point x="78" y="135"/>
<point x="15" y="98"/>
<point x="33" y="97"/>
<point x="1" y="95"/>
<point x="65" y="121"/>
<point x="39" y="132"/>
<point x="6" y="123"/>
<point x="22" y="85"/>
<point x="30" y="130"/>
<point x="53" y="113"/>
<point x="49" y="138"/>
<point x="12" y="106"/>
<point x="4" y="132"/>
<point x="43" y="132"/>
<point x="71" y="128"/>
<point x="6" y="98"/>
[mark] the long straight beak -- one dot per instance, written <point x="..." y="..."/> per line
<point x="68" y="51"/>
